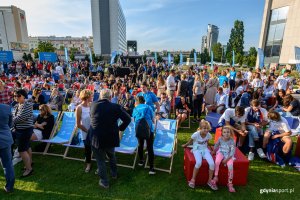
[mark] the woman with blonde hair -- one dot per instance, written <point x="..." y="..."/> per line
<point x="83" y="123"/>
<point x="161" y="85"/>
<point x="211" y="89"/>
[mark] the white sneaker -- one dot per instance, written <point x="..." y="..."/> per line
<point x="251" y="156"/>
<point x="261" y="153"/>
<point x="16" y="153"/>
<point x="16" y="160"/>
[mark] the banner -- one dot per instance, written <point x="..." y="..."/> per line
<point x="261" y="58"/>
<point x="211" y="60"/>
<point x="66" y="54"/>
<point x="155" y="57"/>
<point x="233" y="57"/>
<point x="169" y="59"/>
<point x="91" y="56"/>
<point x="48" y="56"/>
<point x="113" y="55"/>
<point x="195" y="57"/>
<point x="181" y="59"/>
<point x="297" y="58"/>
<point x="6" y="56"/>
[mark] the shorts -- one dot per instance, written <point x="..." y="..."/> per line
<point x="23" y="138"/>
<point x="38" y="134"/>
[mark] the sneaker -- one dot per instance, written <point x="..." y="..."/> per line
<point x="212" y="185"/>
<point x="214" y="181"/>
<point x="152" y="172"/>
<point x="103" y="185"/>
<point x="191" y="184"/>
<point x="230" y="187"/>
<point x="141" y="163"/>
<point x="251" y="156"/>
<point x="261" y="153"/>
<point x="16" y="160"/>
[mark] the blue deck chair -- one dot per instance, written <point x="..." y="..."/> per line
<point x="96" y="96"/>
<point x="46" y="94"/>
<point x="128" y="144"/>
<point x="213" y="119"/>
<point x="64" y="134"/>
<point x="165" y="142"/>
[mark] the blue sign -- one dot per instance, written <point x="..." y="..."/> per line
<point x="261" y="57"/>
<point x="66" y="54"/>
<point x="113" y="55"/>
<point x="91" y="57"/>
<point x="48" y="56"/>
<point x="6" y="56"/>
<point x="297" y="58"/>
<point x="233" y="58"/>
<point x="195" y="57"/>
<point x="211" y="60"/>
<point x="169" y="59"/>
<point x="155" y="57"/>
<point x="181" y="59"/>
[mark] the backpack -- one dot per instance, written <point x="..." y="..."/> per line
<point x="142" y="129"/>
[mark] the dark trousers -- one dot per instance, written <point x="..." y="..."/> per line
<point x="232" y="84"/>
<point x="87" y="152"/>
<point x="6" y="159"/>
<point x="198" y="101"/>
<point x="149" y="149"/>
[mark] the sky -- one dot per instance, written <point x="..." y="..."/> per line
<point x="155" y="24"/>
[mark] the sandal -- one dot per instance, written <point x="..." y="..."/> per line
<point x="192" y="184"/>
<point x="230" y="187"/>
<point x="212" y="185"/>
<point x="214" y="181"/>
<point x="27" y="173"/>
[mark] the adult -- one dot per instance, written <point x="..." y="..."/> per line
<point x="235" y="118"/>
<point x="291" y="106"/>
<point x="211" y="89"/>
<point x="182" y="86"/>
<point x="142" y="110"/>
<point x="165" y="107"/>
<point x="83" y="123"/>
<point x="256" y="119"/>
<point x="37" y="98"/>
<point x="56" y="100"/>
<point x="127" y="102"/>
<point x="104" y="138"/>
<point x="198" y="91"/>
<point x="150" y="97"/>
<point x="171" y="85"/>
<point x="182" y="111"/>
<point x="5" y="94"/>
<point x="23" y="129"/>
<point x="283" y="81"/>
<point x="161" y="85"/>
<point x="232" y="74"/>
<point x="223" y="78"/>
<point x="44" y="123"/>
<point x="5" y="147"/>
<point x="219" y="102"/>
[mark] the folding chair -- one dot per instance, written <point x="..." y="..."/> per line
<point x="165" y="142"/>
<point x="128" y="144"/>
<point x="65" y="133"/>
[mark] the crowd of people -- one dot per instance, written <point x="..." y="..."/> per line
<point x="247" y="101"/>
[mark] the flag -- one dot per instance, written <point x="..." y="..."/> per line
<point x="155" y="57"/>
<point x="211" y="60"/>
<point x="91" y="57"/>
<point x="297" y="58"/>
<point x="195" y="57"/>
<point x="261" y="58"/>
<point x="169" y="59"/>
<point x="66" y="54"/>
<point x="233" y="57"/>
<point x="181" y="59"/>
<point x="113" y="55"/>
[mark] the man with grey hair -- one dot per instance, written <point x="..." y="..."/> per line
<point x="104" y="133"/>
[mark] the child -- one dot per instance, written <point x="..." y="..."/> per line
<point x="225" y="153"/>
<point x="200" y="140"/>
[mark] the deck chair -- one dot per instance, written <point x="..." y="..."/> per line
<point x="188" y="119"/>
<point x="80" y="145"/>
<point x="128" y="144"/>
<point x="64" y="134"/>
<point x="165" y="142"/>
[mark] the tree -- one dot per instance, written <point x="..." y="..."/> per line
<point x="36" y="53"/>
<point x="29" y="57"/>
<point x="24" y="57"/>
<point x="205" y="56"/>
<point x="252" y="51"/>
<point x="192" y="53"/>
<point x="159" y="58"/>
<point x="239" y="58"/>
<point x="176" y="59"/>
<point x="87" y="58"/>
<point x="217" y="50"/>
<point x="74" y="50"/>
<point x="184" y="58"/>
<point x="45" y="47"/>
<point x="236" y="42"/>
<point x="72" y="56"/>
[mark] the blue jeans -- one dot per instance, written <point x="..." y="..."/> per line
<point x="100" y="155"/>
<point x="6" y="159"/>
<point x="253" y="134"/>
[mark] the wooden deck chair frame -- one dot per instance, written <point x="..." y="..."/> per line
<point x="52" y="132"/>
<point x="171" y="157"/>
<point x="189" y="121"/>
<point x="53" y="135"/>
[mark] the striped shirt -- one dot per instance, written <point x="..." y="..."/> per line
<point x="23" y="116"/>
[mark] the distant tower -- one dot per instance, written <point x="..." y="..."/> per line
<point x="204" y="43"/>
<point x="212" y="36"/>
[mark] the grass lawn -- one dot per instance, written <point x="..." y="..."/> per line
<point x="57" y="178"/>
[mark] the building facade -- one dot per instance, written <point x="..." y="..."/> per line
<point x="280" y="31"/>
<point x="109" y="27"/>
<point x="83" y="44"/>
<point x="204" y="43"/>
<point x="212" y="36"/>
<point x="13" y="29"/>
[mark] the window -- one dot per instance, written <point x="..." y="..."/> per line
<point x="279" y="31"/>
<point x="271" y="32"/>
<point x="276" y="50"/>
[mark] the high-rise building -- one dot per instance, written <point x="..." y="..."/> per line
<point x="212" y="36"/>
<point x="109" y="27"/>
<point x="13" y="29"/>
<point x="204" y="43"/>
<point x="280" y="31"/>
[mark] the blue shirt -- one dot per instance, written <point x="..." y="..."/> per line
<point x="143" y="111"/>
<point x="232" y="75"/>
<point x="222" y="79"/>
<point x="150" y="98"/>
<point x="6" y="139"/>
